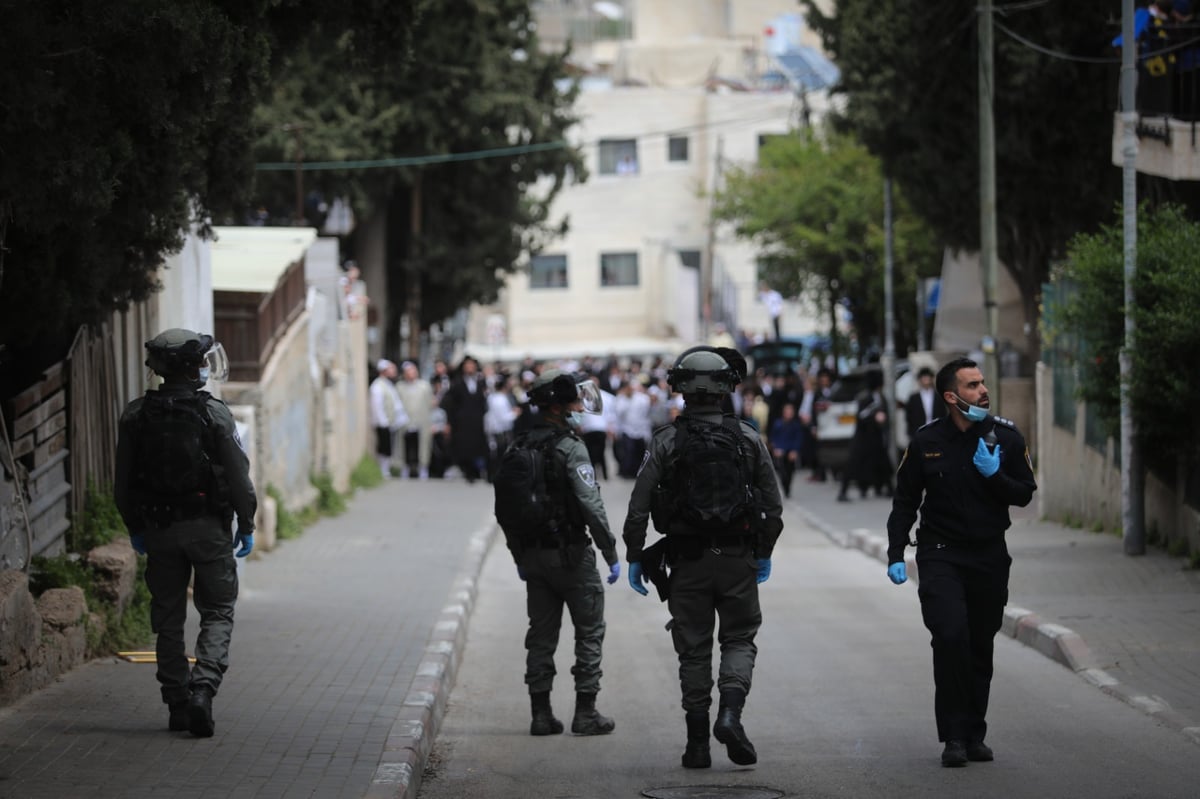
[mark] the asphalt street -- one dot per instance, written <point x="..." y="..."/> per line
<point x="842" y="704"/>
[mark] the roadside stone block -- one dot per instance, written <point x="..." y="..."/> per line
<point x="64" y="634"/>
<point x="115" y="565"/>
<point x="20" y="636"/>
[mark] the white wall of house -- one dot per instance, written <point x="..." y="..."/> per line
<point x="661" y="210"/>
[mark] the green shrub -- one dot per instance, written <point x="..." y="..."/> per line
<point x="366" y="474"/>
<point x="100" y="523"/>
<point x="287" y="524"/>
<point x="1179" y="547"/>
<point x="330" y="502"/>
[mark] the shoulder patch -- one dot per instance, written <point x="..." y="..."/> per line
<point x="645" y="460"/>
<point x="587" y="474"/>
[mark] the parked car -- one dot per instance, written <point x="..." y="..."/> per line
<point x="836" y="416"/>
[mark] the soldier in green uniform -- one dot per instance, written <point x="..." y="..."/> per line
<point x="181" y="479"/>
<point x="709" y="484"/>
<point x="557" y="562"/>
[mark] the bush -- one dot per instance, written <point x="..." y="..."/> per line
<point x="330" y="502"/>
<point x="287" y="524"/>
<point x="366" y="474"/>
<point x="100" y="523"/>
<point x="1167" y="325"/>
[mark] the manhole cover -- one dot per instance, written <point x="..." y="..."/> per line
<point x="713" y="792"/>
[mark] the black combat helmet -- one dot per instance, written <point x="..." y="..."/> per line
<point x="177" y="352"/>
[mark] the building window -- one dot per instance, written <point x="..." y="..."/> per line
<point x="548" y="272"/>
<point x="677" y="148"/>
<point x="690" y="258"/>
<point x="618" y="157"/>
<point x="619" y="269"/>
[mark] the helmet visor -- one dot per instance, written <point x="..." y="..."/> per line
<point x="216" y="363"/>
<point x="589" y="395"/>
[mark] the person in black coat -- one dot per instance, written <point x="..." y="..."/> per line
<point x="465" y="404"/>
<point x="923" y="405"/>
<point x="869" y="464"/>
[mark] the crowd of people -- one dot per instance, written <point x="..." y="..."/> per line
<point x="457" y="421"/>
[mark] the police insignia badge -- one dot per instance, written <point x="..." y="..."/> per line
<point x="587" y="474"/>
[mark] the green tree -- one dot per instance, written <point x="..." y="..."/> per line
<point x="909" y="75"/>
<point x="816" y="206"/>
<point x="120" y="123"/>
<point x="1167" y="319"/>
<point x="474" y="79"/>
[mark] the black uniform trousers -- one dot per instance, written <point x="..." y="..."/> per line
<point x="556" y="577"/>
<point x="199" y="551"/>
<point x="720" y="583"/>
<point x="963" y="591"/>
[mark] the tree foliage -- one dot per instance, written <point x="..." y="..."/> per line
<point x="120" y="123"/>
<point x="474" y="79"/>
<point x="1166" y="315"/>
<point x="817" y="208"/>
<point x="909" y="75"/>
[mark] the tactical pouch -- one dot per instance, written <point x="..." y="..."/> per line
<point x="662" y="508"/>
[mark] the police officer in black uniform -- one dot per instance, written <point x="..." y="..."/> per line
<point x="185" y="531"/>
<point x="962" y="471"/>
<point x="712" y="572"/>
<point x="560" y="570"/>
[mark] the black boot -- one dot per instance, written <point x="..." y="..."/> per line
<point x="728" y="729"/>
<point x="200" y="718"/>
<point x="588" y="720"/>
<point x="178" y="720"/>
<point x="695" y="754"/>
<point x="543" y="722"/>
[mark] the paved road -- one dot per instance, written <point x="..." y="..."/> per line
<point x="841" y="706"/>
<point x="330" y="630"/>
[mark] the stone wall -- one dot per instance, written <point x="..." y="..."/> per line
<point x="42" y="638"/>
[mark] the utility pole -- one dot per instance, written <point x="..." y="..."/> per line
<point x="294" y="128"/>
<point x="987" y="198"/>
<point x="889" y="320"/>
<point x="412" y="294"/>
<point x="707" y="263"/>
<point x="1132" y="483"/>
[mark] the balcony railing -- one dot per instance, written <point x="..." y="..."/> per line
<point x="249" y="324"/>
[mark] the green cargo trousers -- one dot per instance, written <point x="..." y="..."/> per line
<point x="554" y="578"/>
<point x="719" y="584"/>
<point x="204" y="548"/>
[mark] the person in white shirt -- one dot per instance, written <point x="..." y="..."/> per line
<point x="498" y="420"/>
<point x="417" y="396"/>
<point x="634" y="428"/>
<point x="773" y="301"/>
<point x="597" y="429"/>
<point x="387" y="413"/>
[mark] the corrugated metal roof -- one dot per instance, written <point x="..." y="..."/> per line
<point x="254" y="258"/>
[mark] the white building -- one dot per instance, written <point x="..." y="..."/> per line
<point x="693" y="91"/>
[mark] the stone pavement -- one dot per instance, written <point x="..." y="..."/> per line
<point x="1129" y="625"/>
<point x="332" y="644"/>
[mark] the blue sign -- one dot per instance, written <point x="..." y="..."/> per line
<point x="933" y="290"/>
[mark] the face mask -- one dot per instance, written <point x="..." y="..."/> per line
<point x="972" y="412"/>
<point x="204" y="373"/>
<point x="575" y="418"/>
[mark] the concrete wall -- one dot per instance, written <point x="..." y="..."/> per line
<point x="1076" y="482"/>
<point x="287" y="421"/>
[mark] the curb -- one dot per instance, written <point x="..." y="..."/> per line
<point x="409" y="742"/>
<point x="1060" y="644"/>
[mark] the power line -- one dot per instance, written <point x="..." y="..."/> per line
<point x="1088" y="59"/>
<point x="476" y="155"/>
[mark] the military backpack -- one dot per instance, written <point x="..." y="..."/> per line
<point x="529" y="486"/>
<point x="174" y="455"/>
<point x="707" y="483"/>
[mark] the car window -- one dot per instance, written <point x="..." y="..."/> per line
<point x="847" y="388"/>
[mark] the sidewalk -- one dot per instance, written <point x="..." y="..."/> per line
<point x="339" y="636"/>
<point x="1129" y="625"/>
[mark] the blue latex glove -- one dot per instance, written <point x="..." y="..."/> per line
<point x="521" y="573"/>
<point x="637" y="579"/>
<point x="988" y="463"/>
<point x="245" y="542"/>
<point x="138" y="542"/>
<point x="764" y="570"/>
<point x="898" y="573"/>
<point x="614" y="571"/>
